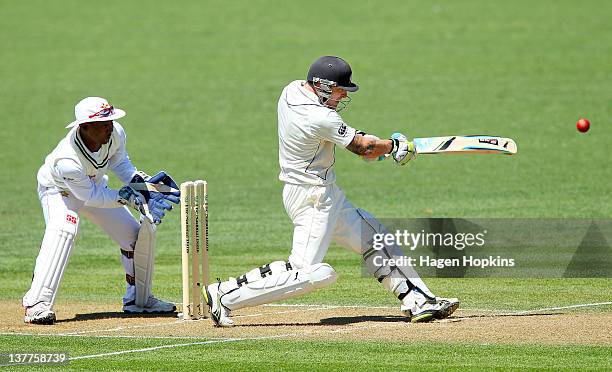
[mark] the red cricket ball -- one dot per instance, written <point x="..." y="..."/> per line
<point x="583" y="125"/>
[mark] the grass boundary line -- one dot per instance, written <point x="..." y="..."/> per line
<point x="326" y="307"/>
<point x="179" y="321"/>
<point x="282" y="312"/>
<point x="515" y="312"/>
<point x="576" y="306"/>
<point x="153" y="348"/>
<point x="121" y="328"/>
<point x="34" y="334"/>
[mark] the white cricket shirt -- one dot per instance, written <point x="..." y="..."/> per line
<point x="308" y="133"/>
<point x="71" y="167"/>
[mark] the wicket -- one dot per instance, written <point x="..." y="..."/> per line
<point x="194" y="230"/>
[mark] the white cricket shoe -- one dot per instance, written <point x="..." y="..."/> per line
<point x="153" y="306"/>
<point x="40" y="313"/>
<point x="218" y="313"/>
<point x="440" y="308"/>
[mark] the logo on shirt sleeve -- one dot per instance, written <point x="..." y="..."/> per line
<point x="342" y="129"/>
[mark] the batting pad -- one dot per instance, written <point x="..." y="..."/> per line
<point x="144" y="261"/>
<point x="55" y="252"/>
<point x="280" y="286"/>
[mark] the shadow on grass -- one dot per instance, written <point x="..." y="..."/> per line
<point x="504" y="315"/>
<point x="341" y="321"/>
<point x="335" y="321"/>
<point x="113" y="315"/>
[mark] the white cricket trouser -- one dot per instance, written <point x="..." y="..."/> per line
<point x="118" y="223"/>
<point x="322" y="214"/>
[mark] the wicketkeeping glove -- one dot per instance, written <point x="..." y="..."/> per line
<point x="403" y="150"/>
<point x="155" y="194"/>
<point x="133" y="199"/>
<point x="159" y="186"/>
<point x="158" y="191"/>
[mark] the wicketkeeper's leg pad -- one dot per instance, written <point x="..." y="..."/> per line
<point x="276" y="281"/>
<point x="52" y="260"/>
<point x="144" y="261"/>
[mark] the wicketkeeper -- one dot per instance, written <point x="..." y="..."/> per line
<point x="309" y="129"/>
<point x="72" y="183"/>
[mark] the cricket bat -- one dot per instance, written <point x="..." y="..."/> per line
<point x="477" y="144"/>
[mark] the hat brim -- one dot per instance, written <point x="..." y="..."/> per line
<point x="118" y="114"/>
<point x="350" y="88"/>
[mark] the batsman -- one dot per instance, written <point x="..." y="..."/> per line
<point x="309" y="130"/>
<point x="72" y="183"/>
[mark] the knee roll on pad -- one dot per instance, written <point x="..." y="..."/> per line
<point x="264" y="271"/>
<point x="369" y="253"/>
<point x="375" y="263"/>
<point x="278" y="284"/>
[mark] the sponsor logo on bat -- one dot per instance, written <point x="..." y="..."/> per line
<point x="491" y="141"/>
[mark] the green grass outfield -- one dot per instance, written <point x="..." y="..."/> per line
<point x="324" y="356"/>
<point x="200" y="82"/>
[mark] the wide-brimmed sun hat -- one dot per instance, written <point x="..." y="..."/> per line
<point x="94" y="109"/>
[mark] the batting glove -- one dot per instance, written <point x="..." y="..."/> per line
<point x="403" y="150"/>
